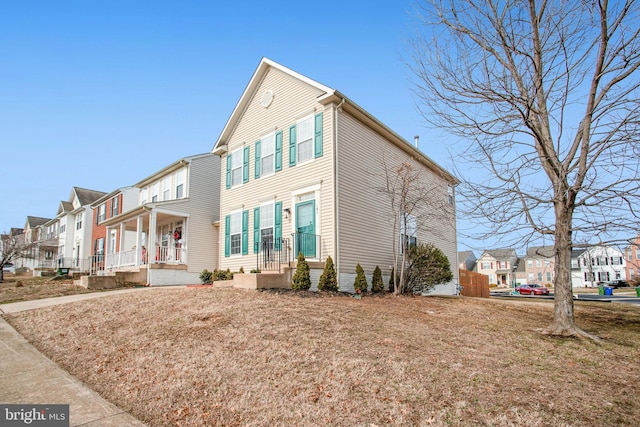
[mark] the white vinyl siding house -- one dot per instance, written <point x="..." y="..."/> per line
<point x="313" y="177"/>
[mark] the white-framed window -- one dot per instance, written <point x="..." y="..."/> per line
<point x="305" y="132"/>
<point x="180" y="184"/>
<point x="548" y="276"/>
<point x="575" y="263"/>
<point x="539" y="277"/>
<point x="155" y="192"/>
<point x="267" y="154"/>
<point x="266" y="224"/>
<point x="166" y="188"/>
<point x="538" y="263"/>
<point x="632" y="273"/>
<point x="615" y="260"/>
<point x="408" y="231"/>
<point x="529" y="263"/>
<point x="547" y="263"/>
<point x="102" y="213"/>
<point x="450" y="194"/>
<point x="78" y="221"/>
<point x="115" y="208"/>
<point x="531" y="277"/>
<point x="236" y="167"/>
<point x="144" y="194"/>
<point x="603" y="276"/>
<point x="112" y="241"/>
<point x="99" y="246"/>
<point x="235" y="232"/>
<point x="637" y="254"/>
<point x="486" y="265"/>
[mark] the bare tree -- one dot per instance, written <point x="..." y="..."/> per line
<point x="13" y="247"/>
<point x="547" y="92"/>
<point x="414" y="201"/>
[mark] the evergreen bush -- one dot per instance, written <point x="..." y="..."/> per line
<point x="360" y="284"/>
<point x="328" y="279"/>
<point x="302" y="276"/>
<point x="206" y="277"/>
<point x="377" y="285"/>
<point x="392" y="286"/>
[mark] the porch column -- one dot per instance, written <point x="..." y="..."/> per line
<point x="139" y="231"/>
<point x="151" y="240"/>
<point x="123" y="230"/>
<point x="183" y="245"/>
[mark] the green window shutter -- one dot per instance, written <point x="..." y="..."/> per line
<point x="277" y="232"/>
<point x="292" y="145"/>
<point x="257" y="154"/>
<point x="228" y="170"/>
<point x="256" y="229"/>
<point x="279" y="151"/>
<point x="227" y="236"/>
<point x="245" y="232"/>
<point x="245" y="165"/>
<point x="317" y="141"/>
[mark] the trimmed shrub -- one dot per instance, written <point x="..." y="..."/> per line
<point x="428" y="266"/>
<point x="377" y="285"/>
<point x="206" y="277"/>
<point x="302" y="276"/>
<point x="241" y="271"/>
<point x="328" y="279"/>
<point x="360" y="284"/>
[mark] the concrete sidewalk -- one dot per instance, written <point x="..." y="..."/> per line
<point x="28" y="377"/>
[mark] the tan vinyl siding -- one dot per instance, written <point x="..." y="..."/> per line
<point x="366" y="226"/>
<point x="203" y="206"/>
<point x="292" y="101"/>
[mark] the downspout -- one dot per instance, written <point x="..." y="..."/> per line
<point x="337" y="198"/>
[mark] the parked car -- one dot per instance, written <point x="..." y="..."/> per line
<point x="9" y="268"/>
<point x="532" y="289"/>
<point x="615" y="284"/>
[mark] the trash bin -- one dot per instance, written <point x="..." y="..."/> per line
<point x="63" y="271"/>
<point x="638" y="291"/>
<point x="608" y="290"/>
<point x="600" y="290"/>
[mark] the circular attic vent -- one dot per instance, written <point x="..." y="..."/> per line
<point x="267" y="98"/>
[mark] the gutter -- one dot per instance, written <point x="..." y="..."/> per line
<point x="336" y="194"/>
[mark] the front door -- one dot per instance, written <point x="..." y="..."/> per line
<point x="306" y="228"/>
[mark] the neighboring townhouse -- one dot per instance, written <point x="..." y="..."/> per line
<point x="597" y="264"/>
<point x="466" y="260"/>
<point x="303" y="166"/>
<point x="632" y="257"/>
<point x="74" y="239"/>
<point x="500" y="265"/>
<point x="45" y="244"/>
<point x="540" y="264"/>
<point x="106" y="245"/>
<point x="174" y="223"/>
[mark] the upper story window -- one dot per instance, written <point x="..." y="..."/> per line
<point x="155" y="192"/>
<point x="180" y="184"/>
<point x="78" y="221"/>
<point x="266" y="156"/>
<point x="529" y="263"/>
<point x="305" y="140"/>
<point x="115" y="206"/>
<point x="166" y="188"/>
<point x="237" y="167"/>
<point x="144" y="194"/>
<point x="486" y="265"/>
<point x="450" y="194"/>
<point x="102" y="213"/>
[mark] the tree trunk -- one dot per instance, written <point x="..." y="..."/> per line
<point x="563" y="315"/>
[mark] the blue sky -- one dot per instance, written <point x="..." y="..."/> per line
<point x="102" y="94"/>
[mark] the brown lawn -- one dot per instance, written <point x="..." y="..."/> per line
<point x="22" y="288"/>
<point x="201" y="356"/>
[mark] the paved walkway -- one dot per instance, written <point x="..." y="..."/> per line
<point x="28" y="377"/>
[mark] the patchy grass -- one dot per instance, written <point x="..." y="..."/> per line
<point x="25" y="288"/>
<point x="202" y="356"/>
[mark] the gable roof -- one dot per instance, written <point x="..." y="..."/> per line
<point x="330" y="96"/>
<point x="35" y="221"/>
<point x="65" y="207"/>
<point x="168" y="169"/>
<point x="541" y="251"/>
<point x="501" y="254"/>
<point x="86" y="196"/>
<point x="465" y="255"/>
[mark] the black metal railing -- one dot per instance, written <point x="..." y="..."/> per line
<point x="308" y="244"/>
<point x="271" y="254"/>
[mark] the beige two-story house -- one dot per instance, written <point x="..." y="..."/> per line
<point x="303" y="170"/>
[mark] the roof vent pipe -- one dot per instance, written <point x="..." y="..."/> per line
<point x="416" y="139"/>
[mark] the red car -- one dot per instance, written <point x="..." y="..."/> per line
<point x="532" y="290"/>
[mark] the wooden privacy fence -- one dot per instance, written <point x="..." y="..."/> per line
<point x="474" y="284"/>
